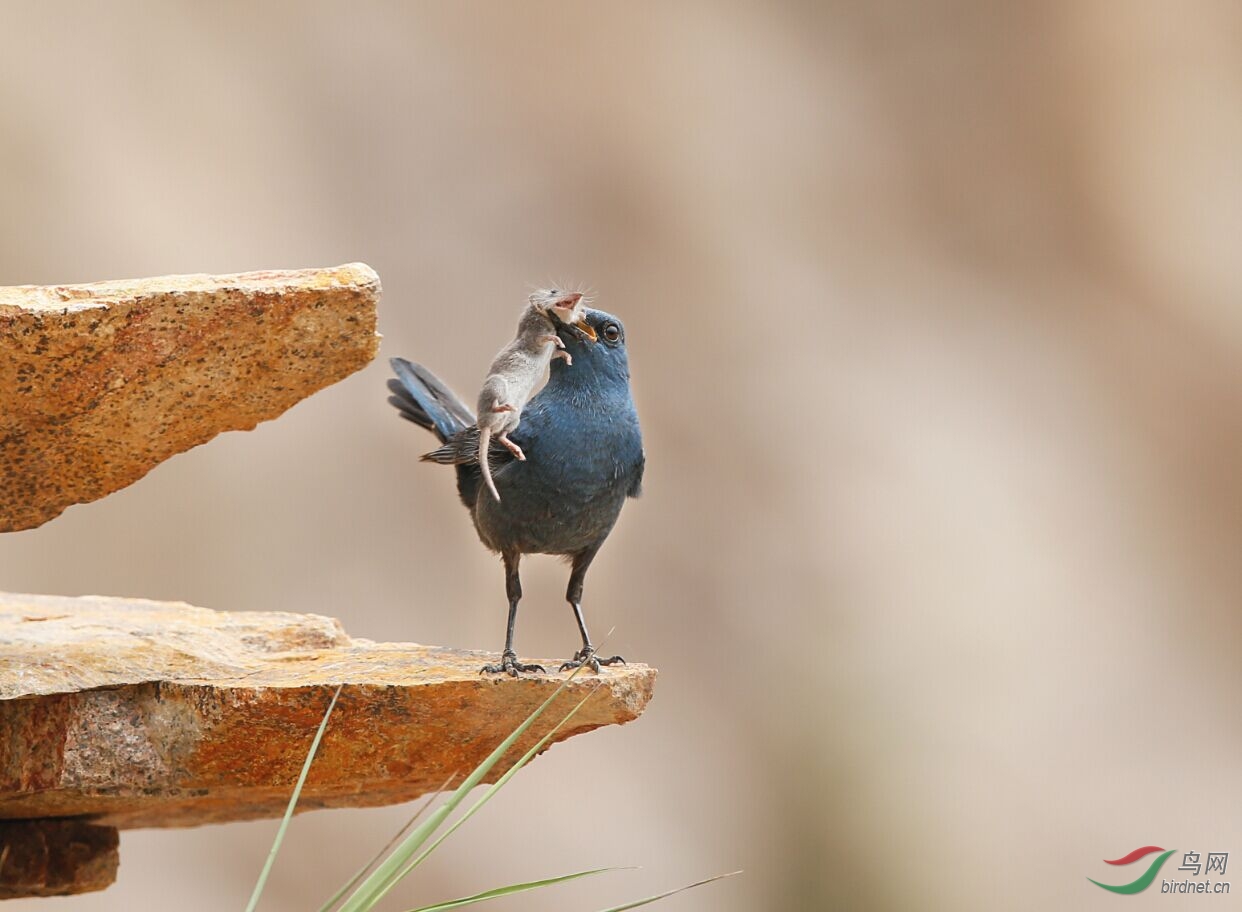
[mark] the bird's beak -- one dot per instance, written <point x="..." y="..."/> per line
<point x="586" y="329"/>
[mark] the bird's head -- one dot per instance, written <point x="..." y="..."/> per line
<point x="597" y="344"/>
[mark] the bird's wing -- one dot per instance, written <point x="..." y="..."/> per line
<point x="463" y="449"/>
<point x="636" y="483"/>
<point x="422" y="398"/>
<point x="460" y="449"/>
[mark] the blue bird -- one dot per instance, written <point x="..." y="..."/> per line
<point x="584" y="457"/>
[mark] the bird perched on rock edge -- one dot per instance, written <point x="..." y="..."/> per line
<point x="584" y="457"/>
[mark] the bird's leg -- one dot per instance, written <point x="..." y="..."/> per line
<point x="513" y="447"/>
<point x="586" y="655"/>
<point x="513" y="588"/>
<point x="569" y="359"/>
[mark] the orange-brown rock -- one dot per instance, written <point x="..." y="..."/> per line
<point x="55" y="857"/>
<point x="139" y="714"/>
<point x="99" y="383"/>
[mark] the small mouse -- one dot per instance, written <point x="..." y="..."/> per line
<point x="518" y="367"/>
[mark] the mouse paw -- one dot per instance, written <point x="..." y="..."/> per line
<point x="512" y="447"/>
<point x="586" y="656"/>
<point x="511" y="666"/>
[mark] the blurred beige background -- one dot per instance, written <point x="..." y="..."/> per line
<point x="935" y="317"/>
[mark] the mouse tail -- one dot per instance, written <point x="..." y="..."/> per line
<point x="485" y="464"/>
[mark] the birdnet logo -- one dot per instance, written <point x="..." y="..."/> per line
<point x="1216" y="863"/>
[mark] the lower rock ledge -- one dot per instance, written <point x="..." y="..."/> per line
<point x="132" y="713"/>
<point x="55" y="857"/>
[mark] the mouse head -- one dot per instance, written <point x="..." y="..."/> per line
<point x="566" y="306"/>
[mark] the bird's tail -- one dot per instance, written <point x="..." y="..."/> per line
<point x="420" y="397"/>
<point x="485" y="464"/>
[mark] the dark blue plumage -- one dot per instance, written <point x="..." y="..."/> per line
<point x="584" y="457"/>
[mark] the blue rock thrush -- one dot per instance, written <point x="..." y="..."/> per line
<point x="584" y="457"/>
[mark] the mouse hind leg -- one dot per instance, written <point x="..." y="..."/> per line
<point x="513" y="447"/>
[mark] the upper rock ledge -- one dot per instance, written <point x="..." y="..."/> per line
<point x="137" y="713"/>
<point x="101" y="382"/>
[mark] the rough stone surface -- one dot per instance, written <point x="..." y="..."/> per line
<point x="99" y="383"/>
<point x="56" y="857"/>
<point x="144" y="714"/>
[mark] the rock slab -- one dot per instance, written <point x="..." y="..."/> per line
<point x="149" y="714"/>
<point x="99" y="383"/>
<point x="56" y="857"/>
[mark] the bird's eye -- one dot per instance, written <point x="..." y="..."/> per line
<point x="612" y="332"/>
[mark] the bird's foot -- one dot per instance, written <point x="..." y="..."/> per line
<point x="511" y="666"/>
<point x="586" y="656"/>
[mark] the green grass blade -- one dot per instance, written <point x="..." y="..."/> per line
<point x="508" y="891"/>
<point x="651" y="899"/>
<point x="382" y="878"/>
<point x="492" y="790"/>
<point x="293" y="800"/>
<point x="362" y="872"/>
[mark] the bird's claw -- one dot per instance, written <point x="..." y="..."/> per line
<point x="586" y="656"/>
<point x="511" y="666"/>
